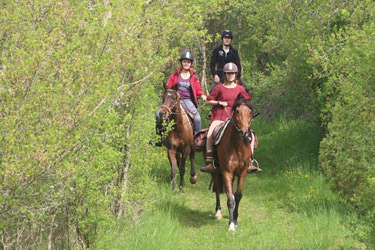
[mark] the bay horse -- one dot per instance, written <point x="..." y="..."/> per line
<point x="234" y="156"/>
<point x="179" y="141"/>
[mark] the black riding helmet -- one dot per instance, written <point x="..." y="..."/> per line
<point x="187" y="55"/>
<point x="226" y="33"/>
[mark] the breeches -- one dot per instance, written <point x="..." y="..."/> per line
<point x="188" y="104"/>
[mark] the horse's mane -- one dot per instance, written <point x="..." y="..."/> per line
<point x="243" y="101"/>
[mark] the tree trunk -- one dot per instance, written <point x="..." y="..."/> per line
<point x="125" y="170"/>
<point x="204" y="74"/>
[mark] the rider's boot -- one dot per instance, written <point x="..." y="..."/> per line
<point x="253" y="169"/>
<point x="209" y="168"/>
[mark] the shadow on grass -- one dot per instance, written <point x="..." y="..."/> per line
<point x="187" y="216"/>
<point x="162" y="172"/>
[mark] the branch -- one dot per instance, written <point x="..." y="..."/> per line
<point x="98" y="106"/>
<point x="136" y="82"/>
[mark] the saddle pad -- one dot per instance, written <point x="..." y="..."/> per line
<point x="219" y="131"/>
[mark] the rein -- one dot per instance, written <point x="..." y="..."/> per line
<point x="165" y="106"/>
<point x="173" y="107"/>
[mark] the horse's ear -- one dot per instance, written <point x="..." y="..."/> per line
<point x="239" y="97"/>
<point x="175" y="87"/>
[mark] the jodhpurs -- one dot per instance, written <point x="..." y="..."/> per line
<point x="188" y="104"/>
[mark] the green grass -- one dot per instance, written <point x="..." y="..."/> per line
<point x="288" y="206"/>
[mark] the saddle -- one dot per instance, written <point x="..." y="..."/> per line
<point x="200" y="137"/>
<point x="217" y="135"/>
<point x="218" y="132"/>
<point x="190" y="116"/>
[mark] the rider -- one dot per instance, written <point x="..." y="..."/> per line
<point x="222" y="98"/>
<point x="189" y="89"/>
<point x="222" y="55"/>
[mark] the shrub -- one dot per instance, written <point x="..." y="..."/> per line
<point x="347" y="151"/>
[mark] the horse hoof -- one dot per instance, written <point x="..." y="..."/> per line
<point x="193" y="179"/>
<point x="232" y="228"/>
<point x="218" y="215"/>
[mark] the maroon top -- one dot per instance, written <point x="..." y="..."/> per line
<point x="223" y="94"/>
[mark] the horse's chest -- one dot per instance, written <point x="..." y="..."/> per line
<point x="239" y="158"/>
<point x="176" y="140"/>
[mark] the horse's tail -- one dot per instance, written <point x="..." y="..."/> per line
<point x="221" y="184"/>
<point x="221" y="181"/>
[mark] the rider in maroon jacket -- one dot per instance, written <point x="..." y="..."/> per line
<point x="221" y="98"/>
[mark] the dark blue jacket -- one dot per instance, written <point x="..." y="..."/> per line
<point x="219" y="58"/>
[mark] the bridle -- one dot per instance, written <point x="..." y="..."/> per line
<point x="245" y="135"/>
<point x="173" y="106"/>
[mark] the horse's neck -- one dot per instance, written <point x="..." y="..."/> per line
<point x="180" y="118"/>
<point x="177" y="117"/>
<point x="235" y="136"/>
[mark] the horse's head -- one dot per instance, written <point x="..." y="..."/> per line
<point x="170" y="100"/>
<point x="242" y="113"/>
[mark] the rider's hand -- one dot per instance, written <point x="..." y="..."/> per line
<point x="217" y="79"/>
<point x="204" y="98"/>
<point x="223" y="104"/>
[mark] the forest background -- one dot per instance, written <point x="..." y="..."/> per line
<point x="81" y="82"/>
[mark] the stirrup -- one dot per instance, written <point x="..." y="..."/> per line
<point x="254" y="169"/>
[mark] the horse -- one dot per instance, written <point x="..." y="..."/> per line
<point x="179" y="140"/>
<point x="234" y="156"/>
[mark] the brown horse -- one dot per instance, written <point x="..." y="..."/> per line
<point x="234" y="155"/>
<point x="179" y="141"/>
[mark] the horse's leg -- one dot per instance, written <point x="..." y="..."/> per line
<point x="178" y="159"/>
<point x="217" y="187"/>
<point x="178" y="162"/>
<point x="182" y="168"/>
<point x="173" y="162"/>
<point x="193" y="175"/>
<point x="227" y="176"/>
<point x="238" y="196"/>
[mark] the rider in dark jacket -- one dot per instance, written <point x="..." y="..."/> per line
<point x="222" y="55"/>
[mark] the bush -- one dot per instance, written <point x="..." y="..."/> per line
<point x="347" y="152"/>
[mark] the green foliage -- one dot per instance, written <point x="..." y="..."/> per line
<point x="77" y="100"/>
<point x="79" y="90"/>
<point x="275" y="40"/>
<point x="347" y="151"/>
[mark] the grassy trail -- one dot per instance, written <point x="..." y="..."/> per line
<point x="288" y="206"/>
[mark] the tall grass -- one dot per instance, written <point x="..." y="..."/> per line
<point x="287" y="206"/>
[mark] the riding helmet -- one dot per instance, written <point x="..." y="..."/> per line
<point x="226" y="33"/>
<point x="187" y="55"/>
<point x="230" y="68"/>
